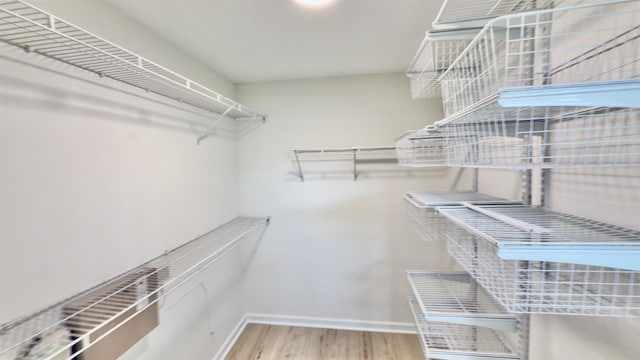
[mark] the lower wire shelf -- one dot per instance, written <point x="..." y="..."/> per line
<point x="455" y="297"/>
<point x="74" y="325"/>
<point x="455" y="342"/>
<point x="421" y="208"/>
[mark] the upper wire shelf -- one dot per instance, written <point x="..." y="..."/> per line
<point x="35" y="30"/>
<point x="81" y="321"/>
<point x="455" y="297"/>
<point x="546" y="89"/>
<point x="436" y="53"/>
<point x="353" y="155"/>
<point x="454" y="341"/>
<point x="463" y="13"/>
<point x="421" y="208"/>
<point x="548" y="52"/>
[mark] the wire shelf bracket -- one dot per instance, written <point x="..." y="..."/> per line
<point x="88" y="316"/>
<point x="600" y="94"/>
<point x="37" y="31"/>
<point x="455" y="297"/>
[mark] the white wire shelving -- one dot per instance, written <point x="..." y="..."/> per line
<point x="422" y="148"/>
<point x="536" y="138"/>
<point x="421" y="208"/>
<point x="354" y="156"/>
<point x="455" y="297"/>
<point x="592" y="46"/>
<point x="35" y="30"/>
<point x="536" y="260"/>
<point x="454" y="341"/>
<point x="436" y="53"/>
<point x="81" y="321"/>
<point x="549" y="88"/>
<point x="463" y="13"/>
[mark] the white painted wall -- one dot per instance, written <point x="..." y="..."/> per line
<point x="97" y="177"/>
<point x="336" y="248"/>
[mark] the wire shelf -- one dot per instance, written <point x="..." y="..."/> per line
<point x="455" y="297"/>
<point x="35" y="30"/>
<point x="421" y="148"/>
<point x="436" y="53"/>
<point x="354" y="156"/>
<point x="454" y="341"/>
<point x="79" y="322"/>
<point x="594" y="44"/>
<point x="526" y="138"/>
<point x="536" y="260"/>
<point x="421" y="208"/>
<point x="456" y="13"/>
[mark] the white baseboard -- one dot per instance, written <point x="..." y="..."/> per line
<point x="325" y="323"/>
<point x="329" y="323"/>
<point x="231" y="340"/>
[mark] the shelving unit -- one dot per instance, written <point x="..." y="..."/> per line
<point x="453" y="341"/>
<point x="541" y="87"/>
<point x="531" y="80"/>
<point x="353" y="155"/>
<point x="421" y="208"/>
<point x="37" y="31"/>
<point x="94" y="314"/>
<point x="456" y="298"/>
<point x="461" y="13"/>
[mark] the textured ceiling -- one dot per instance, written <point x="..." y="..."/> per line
<point x="269" y="40"/>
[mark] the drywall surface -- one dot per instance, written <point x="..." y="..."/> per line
<point x="336" y="248"/>
<point x="97" y="177"/>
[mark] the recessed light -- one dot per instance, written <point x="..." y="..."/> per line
<point x="314" y="3"/>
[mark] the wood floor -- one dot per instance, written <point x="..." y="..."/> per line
<point x="268" y="342"/>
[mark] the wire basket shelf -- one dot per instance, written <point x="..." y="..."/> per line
<point x="536" y="260"/>
<point x="596" y="44"/>
<point x="421" y="209"/>
<point x="37" y="31"/>
<point x="421" y="148"/>
<point x="457" y="13"/>
<point x="436" y="53"/>
<point x="455" y="297"/>
<point x="537" y="138"/>
<point x="455" y="341"/>
<point x="81" y="321"/>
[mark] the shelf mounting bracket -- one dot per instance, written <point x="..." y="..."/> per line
<point x="207" y="131"/>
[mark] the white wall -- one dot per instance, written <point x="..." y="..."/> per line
<point x="336" y="248"/>
<point x="97" y="177"/>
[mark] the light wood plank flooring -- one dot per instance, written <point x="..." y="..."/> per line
<point x="267" y="342"/>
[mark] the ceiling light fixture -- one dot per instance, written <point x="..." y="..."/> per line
<point x="314" y="3"/>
